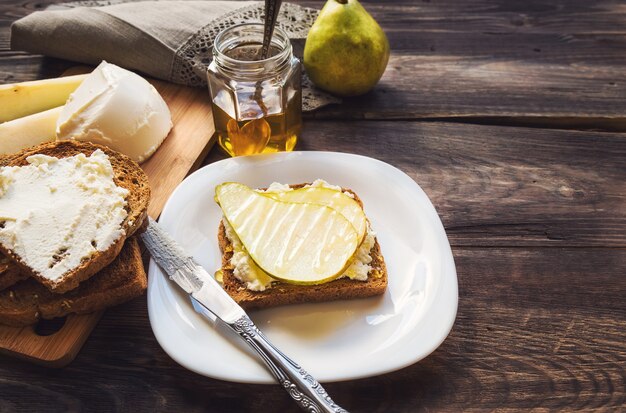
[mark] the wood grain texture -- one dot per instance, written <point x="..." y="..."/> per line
<point x="189" y="141"/>
<point x="536" y="218"/>
<point x="555" y="64"/>
<point x="55" y="350"/>
<point x="527" y="341"/>
<point x="498" y="186"/>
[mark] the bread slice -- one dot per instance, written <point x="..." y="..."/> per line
<point x="282" y="293"/>
<point x="9" y="273"/>
<point x="127" y="174"/>
<point x="28" y="301"/>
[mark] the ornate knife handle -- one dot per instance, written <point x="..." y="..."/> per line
<point x="300" y="385"/>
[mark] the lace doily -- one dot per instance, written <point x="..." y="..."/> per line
<point x="193" y="57"/>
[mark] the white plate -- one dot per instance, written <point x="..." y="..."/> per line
<point x="334" y="341"/>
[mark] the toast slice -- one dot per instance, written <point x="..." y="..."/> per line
<point x="9" y="273"/>
<point x="127" y="174"/>
<point x="28" y="301"/>
<point x="282" y="293"/>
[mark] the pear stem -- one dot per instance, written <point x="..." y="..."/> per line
<point x="342" y="1"/>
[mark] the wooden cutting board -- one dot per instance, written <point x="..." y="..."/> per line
<point x="184" y="149"/>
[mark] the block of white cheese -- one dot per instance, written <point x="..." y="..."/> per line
<point x="22" y="99"/>
<point x="31" y="130"/>
<point x="119" y="109"/>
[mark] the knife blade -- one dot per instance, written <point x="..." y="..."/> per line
<point x="210" y="300"/>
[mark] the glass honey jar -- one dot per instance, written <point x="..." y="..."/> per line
<point x="257" y="104"/>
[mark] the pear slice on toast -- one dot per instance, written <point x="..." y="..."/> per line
<point x="298" y="243"/>
<point x="332" y="198"/>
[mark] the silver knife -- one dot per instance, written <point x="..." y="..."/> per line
<point x="209" y="299"/>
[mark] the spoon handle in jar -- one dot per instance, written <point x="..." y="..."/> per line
<point x="272" y="7"/>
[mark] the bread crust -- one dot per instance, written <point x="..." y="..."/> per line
<point x="9" y="273"/>
<point x="282" y="293"/>
<point x="28" y="301"/>
<point x="127" y="174"/>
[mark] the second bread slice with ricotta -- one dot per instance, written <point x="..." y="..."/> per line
<point x="128" y="178"/>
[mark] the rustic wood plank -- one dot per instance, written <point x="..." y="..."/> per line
<point x="21" y="67"/>
<point x="497" y="16"/>
<point x="56" y="350"/>
<point x="533" y="339"/>
<point x="538" y="328"/>
<point x="498" y="186"/>
<point x="542" y="63"/>
<point x="556" y="64"/>
<point x="500" y="88"/>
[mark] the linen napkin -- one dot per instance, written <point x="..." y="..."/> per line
<point x="169" y="40"/>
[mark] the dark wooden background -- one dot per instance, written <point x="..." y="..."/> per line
<point x="508" y="114"/>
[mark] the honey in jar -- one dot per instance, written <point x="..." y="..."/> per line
<point x="257" y="104"/>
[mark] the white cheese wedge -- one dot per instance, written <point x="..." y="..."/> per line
<point x="119" y="109"/>
<point x="22" y="99"/>
<point x="31" y="130"/>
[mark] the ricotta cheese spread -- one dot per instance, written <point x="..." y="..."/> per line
<point x="255" y="279"/>
<point x="55" y="213"/>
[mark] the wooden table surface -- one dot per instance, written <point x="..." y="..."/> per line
<point x="509" y="116"/>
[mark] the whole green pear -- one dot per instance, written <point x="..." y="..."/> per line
<point x="346" y="51"/>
